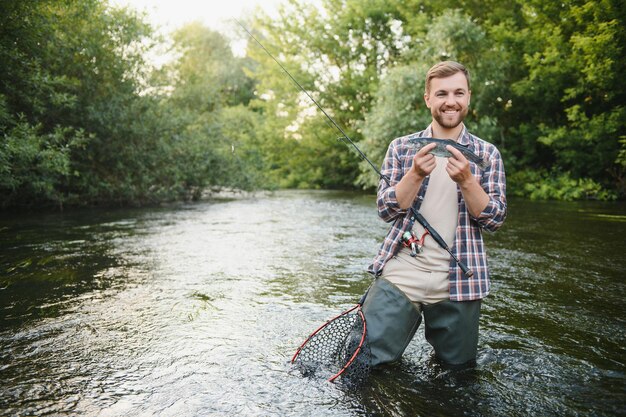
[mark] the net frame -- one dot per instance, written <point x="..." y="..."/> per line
<point x="332" y="346"/>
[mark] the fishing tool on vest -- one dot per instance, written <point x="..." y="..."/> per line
<point x="410" y="240"/>
<point x="341" y="345"/>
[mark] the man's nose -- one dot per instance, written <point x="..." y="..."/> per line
<point x="449" y="100"/>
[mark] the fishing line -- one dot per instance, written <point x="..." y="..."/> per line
<point x="344" y="135"/>
<point x="416" y="215"/>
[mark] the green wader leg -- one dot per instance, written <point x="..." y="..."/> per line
<point x="452" y="329"/>
<point x="391" y="319"/>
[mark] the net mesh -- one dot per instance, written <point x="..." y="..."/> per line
<point x="328" y="351"/>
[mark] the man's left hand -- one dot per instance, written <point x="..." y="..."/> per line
<point x="458" y="167"/>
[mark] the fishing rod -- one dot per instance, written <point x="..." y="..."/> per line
<point x="416" y="214"/>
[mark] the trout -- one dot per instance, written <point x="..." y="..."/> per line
<point x="440" y="149"/>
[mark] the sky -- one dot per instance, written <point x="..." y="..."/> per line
<point x="216" y="14"/>
<point x="168" y="15"/>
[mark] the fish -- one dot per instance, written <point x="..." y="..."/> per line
<point x="440" y="149"/>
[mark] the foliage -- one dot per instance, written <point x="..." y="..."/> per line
<point x="67" y="94"/>
<point x="36" y="164"/>
<point x="572" y="90"/>
<point x="85" y="118"/>
<point x="338" y="56"/>
<point x="545" y="79"/>
<point x="546" y="185"/>
<point x="209" y="91"/>
<point x="206" y="76"/>
<point x="399" y="109"/>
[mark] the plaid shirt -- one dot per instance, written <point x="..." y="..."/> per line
<point x="468" y="242"/>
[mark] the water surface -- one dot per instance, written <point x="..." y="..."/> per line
<point x="197" y="310"/>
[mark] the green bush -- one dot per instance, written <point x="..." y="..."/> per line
<point x="553" y="185"/>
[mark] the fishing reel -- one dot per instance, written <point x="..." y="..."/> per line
<point x="410" y="240"/>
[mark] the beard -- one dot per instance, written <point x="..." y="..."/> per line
<point x="448" y="122"/>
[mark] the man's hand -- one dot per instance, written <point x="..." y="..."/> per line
<point x="409" y="185"/>
<point x="424" y="162"/>
<point x="458" y="168"/>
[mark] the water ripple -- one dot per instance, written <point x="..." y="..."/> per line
<point x="197" y="310"/>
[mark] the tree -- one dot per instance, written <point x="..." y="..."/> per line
<point x="85" y="119"/>
<point x="582" y="59"/>
<point x="207" y="89"/>
<point x="338" y="56"/>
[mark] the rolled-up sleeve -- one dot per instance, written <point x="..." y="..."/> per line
<point x="388" y="207"/>
<point x="494" y="184"/>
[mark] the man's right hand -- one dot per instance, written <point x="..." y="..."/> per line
<point x="409" y="185"/>
<point x="424" y="162"/>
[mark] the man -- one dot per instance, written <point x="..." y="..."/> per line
<point x="459" y="200"/>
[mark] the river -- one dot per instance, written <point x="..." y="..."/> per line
<point x="196" y="309"/>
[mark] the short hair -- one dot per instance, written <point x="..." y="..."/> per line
<point x="445" y="69"/>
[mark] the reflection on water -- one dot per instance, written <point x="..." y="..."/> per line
<point x="197" y="310"/>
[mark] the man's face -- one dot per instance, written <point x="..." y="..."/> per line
<point x="448" y="100"/>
